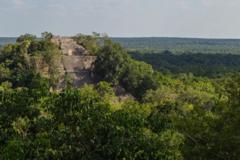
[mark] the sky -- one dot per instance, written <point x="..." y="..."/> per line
<point x="122" y="18"/>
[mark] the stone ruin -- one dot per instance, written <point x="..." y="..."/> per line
<point x="77" y="62"/>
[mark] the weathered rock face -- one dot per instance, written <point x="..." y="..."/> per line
<point x="76" y="61"/>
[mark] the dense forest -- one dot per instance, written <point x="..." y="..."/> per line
<point x="199" y="64"/>
<point x="174" y="45"/>
<point x="171" y="116"/>
<point x="181" y="45"/>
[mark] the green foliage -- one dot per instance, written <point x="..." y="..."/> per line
<point x="91" y="42"/>
<point x="21" y="62"/>
<point x="114" y="65"/>
<point x="173" y="116"/>
<point x="47" y="35"/>
<point x="209" y="65"/>
<point x="180" y="45"/>
<point x="138" y="78"/>
<point x="79" y="124"/>
<point x="111" y="62"/>
<point x="26" y="37"/>
<point x="105" y="90"/>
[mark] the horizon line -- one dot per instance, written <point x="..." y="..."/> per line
<point x="170" y="37"/>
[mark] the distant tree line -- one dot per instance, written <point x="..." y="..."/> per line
<point x="210" y="65"/>
<point x="180" y="45"/>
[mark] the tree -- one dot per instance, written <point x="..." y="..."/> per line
<point x="26" y="37"/>
<point x="111" y="62"/>
<point x="47" y="35"/>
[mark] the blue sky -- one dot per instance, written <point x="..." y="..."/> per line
<point x="134" y="18"/>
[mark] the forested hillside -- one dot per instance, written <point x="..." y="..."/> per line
<point x="169" y="116"/>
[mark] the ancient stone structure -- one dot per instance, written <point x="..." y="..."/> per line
<point x="76" y="60"/>
<point x="77" y="63"/>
